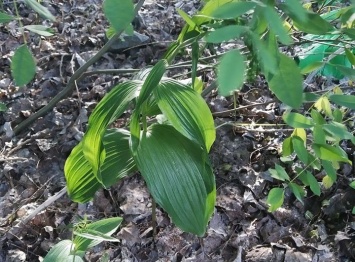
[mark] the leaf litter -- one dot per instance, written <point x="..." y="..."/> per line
<point x="240" y="230"/>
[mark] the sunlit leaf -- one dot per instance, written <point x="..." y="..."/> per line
<point x="330" y="153"/>
<point x="106" y="227"/>
<point x="81" y="181"/>
<point x="287" y="148"/>
<point x="106" y="111"/>
<point x="63" y="251"/>
<point x="179" y="177"/>
<point x="327" y="182"/>
<point x="231" y="71"/>
<point x="23" y="66"/>
<point x="275" y="198"/>
<point x="297" y="120"/>
<point x="323" y="104"/>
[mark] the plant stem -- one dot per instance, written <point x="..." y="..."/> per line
<point x="76" y="77"/>
<point x="154" y="218"/>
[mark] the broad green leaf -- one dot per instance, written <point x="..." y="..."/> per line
<point x="309" y="180"/>
<point x="151" y="81"/>
<point x="106" y="111"/>
<point x="233" y="10"/>
<point x="314" y="24"/>
<point x="300" y="149"/>
<point x="266" y="57"/>
<point x="23" y="66"/>
<point x="81" y="181"/>
<point x="40" y="9"/>
<point x="279" y="173"/>
<point x="225" y="33"/>
<point x="287" y="148"/>
<point x="179" y="177"/>
<point x="187" y="111"/>
<point x="40" y="29"/>
<point x="106" y="227"/>
<point x="119" y="13"/>
<point x="329" y="170"/>
<point x="352" y="184"/>
<point x="231" y="71"/>
<point x="343" y="100"/>
<point x="298" y="191"/>
<point x="297" y="120"/>
<point x="310" y="97"/>
<point x="4" y="18"/>
<point x="349" y="32"/>
<point x="345" y="70"/>
<point x="338" y="131"/>
<point x="275" y="198"/>
<point x="287" y="82"/>
<point x="276" y="25"/>
<point x="94" y="235"/>
<point x="295" y="7"/>
<point x="330" y="153"/>
<point x="3" y="107"/>
<point x="337" y="115"/>
<point x="63" y="252"/>
<point x="317" y="117"/>
<point x="319" y="135"/>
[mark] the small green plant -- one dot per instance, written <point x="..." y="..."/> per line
<point x="85" y="235"/>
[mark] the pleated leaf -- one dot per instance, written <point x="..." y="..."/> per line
<point x="106" y="227"/>
<point x="107" y="110"/>
<point x="187" y="111"/>
<point x="81" y="181"/>
<point x="179" y="177"/>
<point x="63" y="251"/>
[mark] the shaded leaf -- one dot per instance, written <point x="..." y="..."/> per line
<point x="309" y="180"/>
<point x="179" y="177"/>
<point x="40" y="29"/>
<point x="279" y="173"/>
<point x="343" y="100"/>
<point x="225" y="33"/>
<point x="119" y="13"/>
<point x="4" y="18"/>
<point x="287" y="82"/>
<point x="187" y="111"/>
<point x="329" y="170"/>
<point x="298" y="191"/>
<point x="23" y="66"/>
<point x="314" y="24"/>
<point x="232" y="10"/>
<point x="300" y="149"/>
<point x="287" y="148"/>
<point x="231" y="71"/>
<point x="3" y="107"/>
<point x="40" y="9"/>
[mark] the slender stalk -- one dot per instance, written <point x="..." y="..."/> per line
<point x="154" y="218"/>
<point x="78" y="75"/>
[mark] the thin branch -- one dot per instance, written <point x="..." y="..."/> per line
<point x="76" y="77"/>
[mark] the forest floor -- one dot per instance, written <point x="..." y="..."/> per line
<point x="32" y="162"/>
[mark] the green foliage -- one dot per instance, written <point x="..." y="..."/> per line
<point x="23" y="66"/>
<point x="87" y="235"/>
